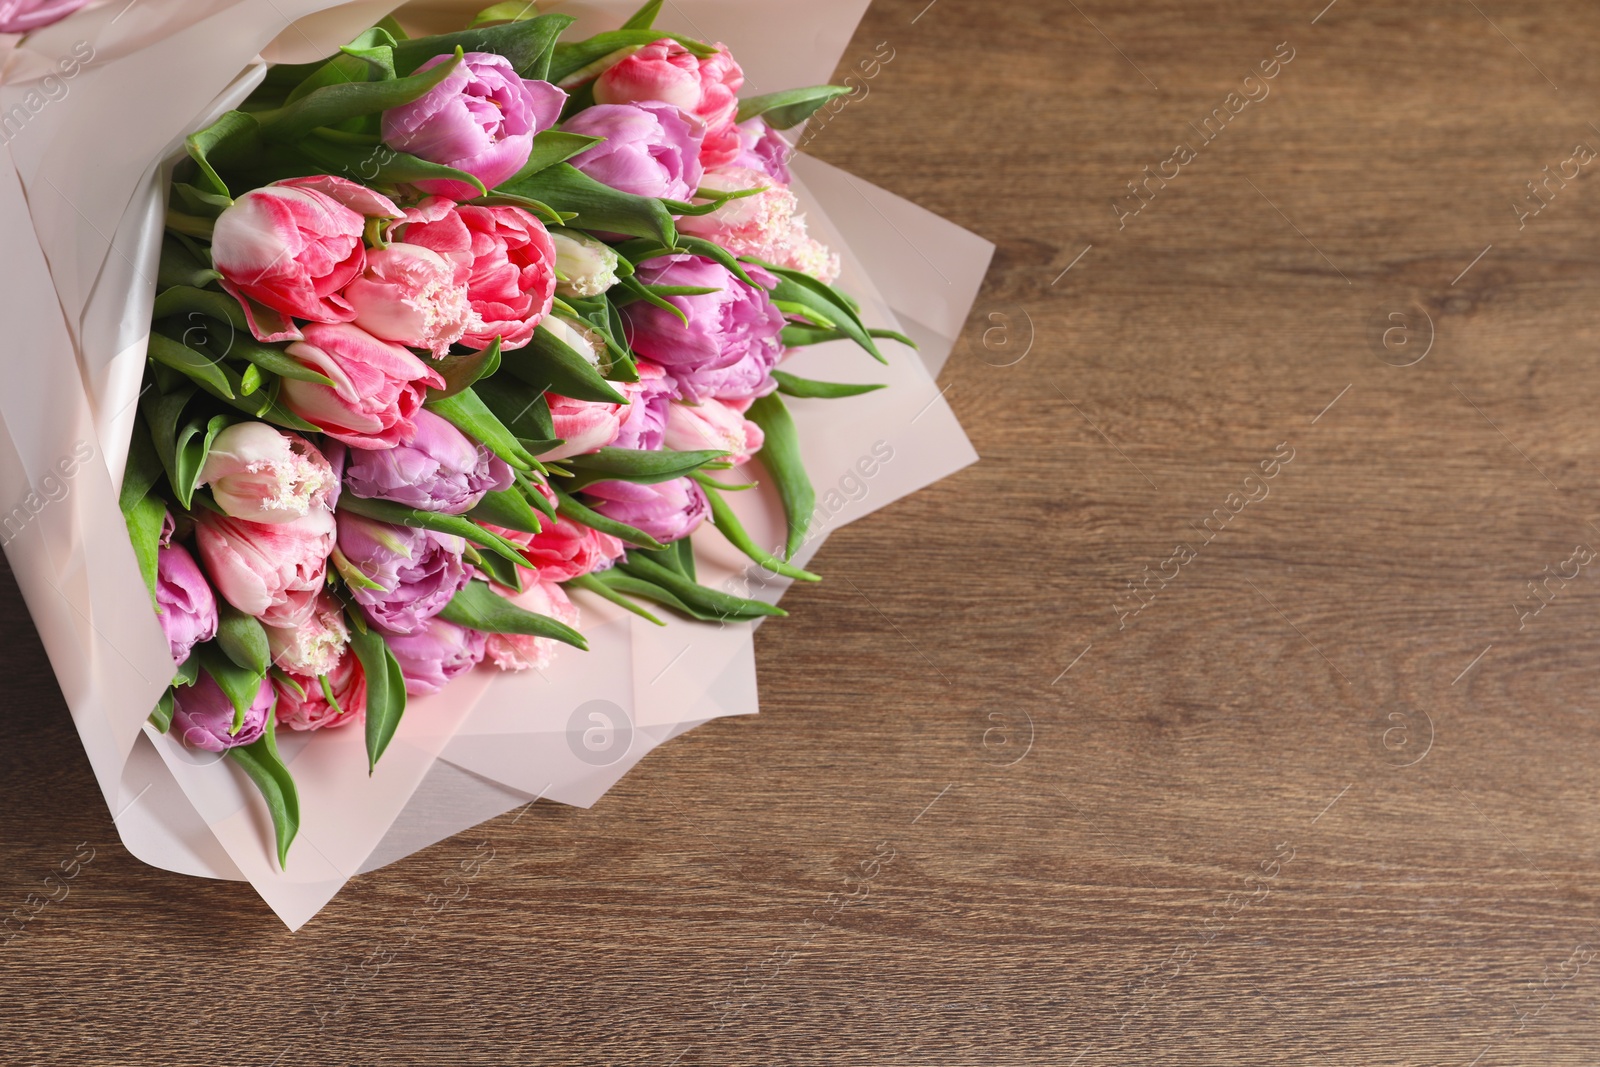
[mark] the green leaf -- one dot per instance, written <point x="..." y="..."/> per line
<point x="375" y="47"/>
<point x="728" y="524"/>
<point x="330" y="105"/>
<point x="243" y="639"/>
<point x="378" y="164"/>
<point x="386" y="691"/>
<point x="462" y="372"/>
<point x="471" y="416"/>
<point x="241" y="685"/>
<point x="200" y="203"/>
<point x="569" y="508"/>
<point x="549" y="364"/>
<point x="188" y="672"/>
<point x="790" y="107"/>
<point x="600" y="589"/>
<point x="143" y="511"/>
<point x="181" y="266"/>
<point x="511" y="11"/>
<point x="798" y="335"/>
<point x="531" y="493"/>
<point x="637" y="252"/>
<point x="181" y="446"/>
<point x="500" y="570"/>
<point x="637" y="290"/>
<point x="521" y="408"/>
<point x="205" y="310"/>
<point x="630" y="465"/>
<point x="526" y="43"/>
<point x="161" y="717"/>
<point x="479" y="607"/>
<point x="595" y="205"/>
<point x="644" y="18"/>
<point x="265" y="767"/>
<point x="833" y="306"/>
<point x="145" y="519"/>
<point x="790" y="385"/>
<point x="702" y="602"/>
<point x="197" y="365"/>
<point x="400" y="515"/>
<point x="571" y="59"/>
<point x="230" y="136"/>
<point x="328" y="694"/>
<point x="552" y="147"/>
<point x="781" y="456"/>
<point x="507" y="509"/>
<point x="713" y="201"/>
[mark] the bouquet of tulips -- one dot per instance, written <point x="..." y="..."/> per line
<point x="446" y="328"/>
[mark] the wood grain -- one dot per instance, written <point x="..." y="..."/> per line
<point x="1281" y="815"/>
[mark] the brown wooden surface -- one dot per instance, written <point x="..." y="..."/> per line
<point x="1112" y="895"/>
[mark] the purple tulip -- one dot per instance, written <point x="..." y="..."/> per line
<point x="417" y="571"/>
<point x="481" y="119"/>
<point x="202" y="715"/>
<point x="733" y="337"/>
<point x="440" y="469"/>
<point x="668" y="511"/>
<point x="650" y="149"/>
<point x="765" y="149"/>
<point x="188" y="606"/>
<point x="436" y="654"/>
<point x="644" y="426"/>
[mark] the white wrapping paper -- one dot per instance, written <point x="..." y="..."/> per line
<point x="82" y="188"/>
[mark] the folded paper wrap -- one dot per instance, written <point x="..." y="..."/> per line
<point x="82" y="195"/>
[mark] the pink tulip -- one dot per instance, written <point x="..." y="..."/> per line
<point x="262" y="474"/>
<point x="435" y="654"/>
<point x="287" y="251"/>
<point x="412" y="296"/>
<point x="270" y="570"/>
<point x="768" y="226"/>
<point x="378" y="386"/>
<point x="309" y="709"/>
<point x="644" y="424"/>
<point x="316" y="646"/>
<point x="583" y="425"/>
<point x="707" y="88"/>
<point x="713" y="425"/>
<point x="510" y="260"/>
<point x="521" y="652"/>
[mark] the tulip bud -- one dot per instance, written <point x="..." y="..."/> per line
<point x="314" y="648"/>
<point x="202" y="715"/>
<point x="413" y="296"/>
<point x="521" y="652"/>
<point x="261" y="474"/>
<point x="714" y="426"/>
<point x="581" y="339"/>
<point x="589" y="265"/>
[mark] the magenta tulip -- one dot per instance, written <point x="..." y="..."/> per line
<point x="439" y="469"/>
<point x="202" y="715"/>
<point x="481" y="119"/>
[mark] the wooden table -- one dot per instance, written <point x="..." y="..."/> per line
<point x="1208" y="720"/>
